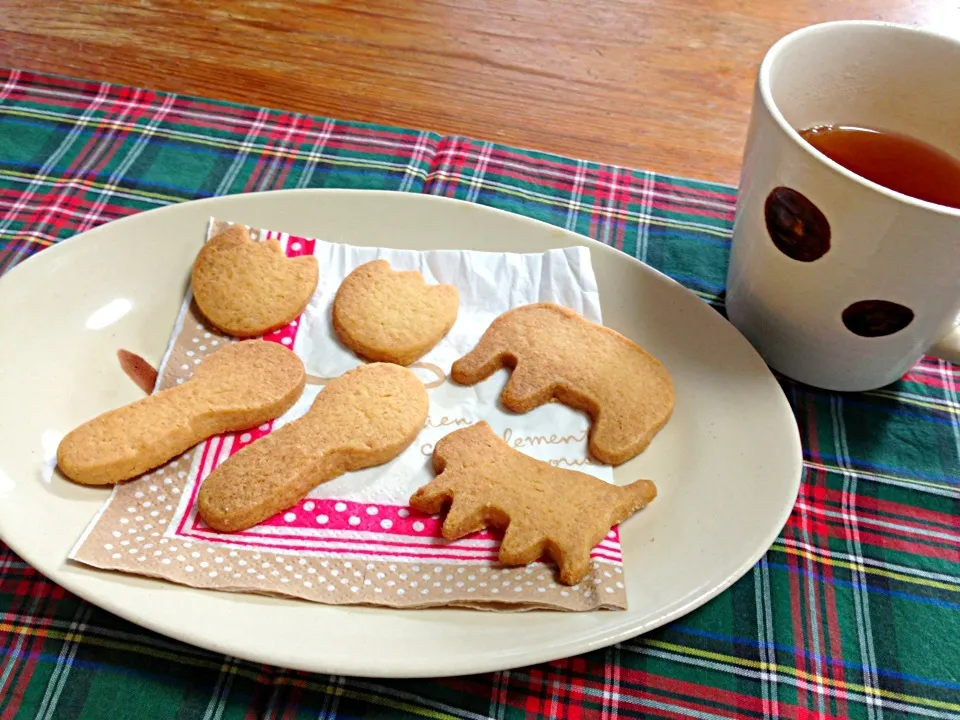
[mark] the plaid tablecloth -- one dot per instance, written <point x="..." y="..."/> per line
<point x="854" y="611"/>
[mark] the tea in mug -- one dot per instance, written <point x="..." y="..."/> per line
<point x="896" y="161"/>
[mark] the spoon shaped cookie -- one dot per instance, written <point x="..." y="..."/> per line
<point x="363" y="418"/>
<point x="238" y="387"/>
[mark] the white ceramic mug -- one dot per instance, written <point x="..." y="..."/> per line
<point x="883" y="246"/>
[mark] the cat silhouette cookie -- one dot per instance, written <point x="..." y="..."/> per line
<point x="556" y="354"/>
<point x="544" y="510"/>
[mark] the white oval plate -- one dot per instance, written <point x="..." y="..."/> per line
<point x="727" y="464"/>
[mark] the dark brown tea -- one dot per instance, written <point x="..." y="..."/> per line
<point x="896" y="161"/>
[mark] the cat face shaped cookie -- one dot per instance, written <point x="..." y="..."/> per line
<point x="385" y="315"/>
<point x="247" y="288"/>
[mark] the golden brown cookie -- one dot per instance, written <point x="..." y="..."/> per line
<point x="558" y="355"/>
<point x="238" y="387"/>
<point x="386" y="315"/>
<point x="545" y="510"/>
<point x="247" y="288"/>
<point x="365" y="417"/>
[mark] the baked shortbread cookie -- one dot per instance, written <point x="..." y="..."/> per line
<point x="238" y="387"/>
<point x="365" y="417"/>
<point x="393" y="316"/>
<point x="558" y="355"/>
<point x="544" y="510"/>
<point x="247" y="288"/>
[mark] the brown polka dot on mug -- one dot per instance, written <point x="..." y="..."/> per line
<point x="876" y="318"/>
<point x="797" y="227"/>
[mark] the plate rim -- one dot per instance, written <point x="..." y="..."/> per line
<point x="70" y="575"/>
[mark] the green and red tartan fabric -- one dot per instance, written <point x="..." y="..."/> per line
<point x="854" y="611"/>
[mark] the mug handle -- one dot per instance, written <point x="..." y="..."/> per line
<point x="948" y="347"/>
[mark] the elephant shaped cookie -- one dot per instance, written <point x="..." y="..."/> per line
<point x="558" y="355"/>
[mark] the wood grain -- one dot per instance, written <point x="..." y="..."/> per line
<point x="657" y="84"/>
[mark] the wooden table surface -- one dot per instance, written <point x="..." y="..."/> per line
<point x="656" y="84"/>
